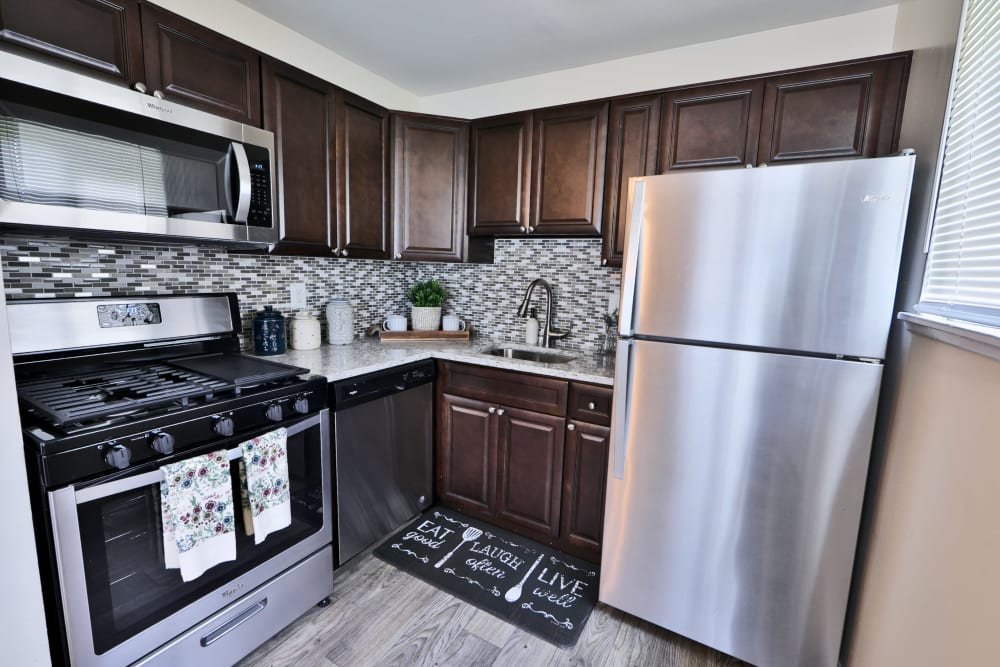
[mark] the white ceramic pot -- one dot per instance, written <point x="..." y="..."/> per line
<point x="425" y="318"/>
<point x="340" y="321"/>
<point x="303" y="332"/>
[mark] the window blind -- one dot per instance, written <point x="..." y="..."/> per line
<point x="962" y="276"/>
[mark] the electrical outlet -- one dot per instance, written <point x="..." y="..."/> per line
<point x="297" y="292"/>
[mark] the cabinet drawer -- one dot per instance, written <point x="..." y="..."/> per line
<point x="511" y="388"/>
<point x="590" y="403"/>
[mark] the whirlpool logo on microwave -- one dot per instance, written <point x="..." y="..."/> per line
<point x="875" y="198"/>
<point x="157" y="107"/>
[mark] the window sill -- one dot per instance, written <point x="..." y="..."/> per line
<point x="977" y="338"/>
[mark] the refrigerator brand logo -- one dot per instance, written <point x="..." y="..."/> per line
<point x="874" y="199"/>
<point x="157" y="107"/>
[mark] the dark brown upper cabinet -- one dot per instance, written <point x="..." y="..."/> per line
<point x="301" y="111"/>
<point x="567" y="169"/>
<point x="499" y="174"/>
<point x="633" y="137"/>
<point x="428" y="175"/>
<point x="834" y="112"/>
<point x="711" y="126"/>
<point x="98" y="36"/>
<point x="195" y="66"/>
<point x="363" y="227"/>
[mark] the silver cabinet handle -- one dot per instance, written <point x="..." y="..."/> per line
<point x="343" y="253"/>
<point x="493" y="410"/>
<point x="604" y="262"/>
<point x="525" y="229"/>
<point x="591" y="405"/>
<point x="140" y="86"/>
<point x="531" y="229"/>
<point x="158" y="94"/>
<point x="570" y="427"/>
<point x="500" y="411"/>
<point x="399" y="255"/>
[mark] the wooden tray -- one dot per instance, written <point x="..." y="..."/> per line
<point x="414" y="336"/>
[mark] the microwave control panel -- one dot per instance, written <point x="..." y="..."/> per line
<point x="260" y="187"/>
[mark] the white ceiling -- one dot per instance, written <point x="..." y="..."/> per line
<point x="438" y="46"/>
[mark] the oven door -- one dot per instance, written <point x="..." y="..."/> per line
<point x="120" y="602"/>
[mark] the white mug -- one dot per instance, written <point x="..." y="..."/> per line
<point x="452" y="323"/>
<point x="394" y="323"/>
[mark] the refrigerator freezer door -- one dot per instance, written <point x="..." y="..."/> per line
<point x="797" y="257"/>
<point x="734" y="495"/>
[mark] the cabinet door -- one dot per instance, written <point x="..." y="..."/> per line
<point x="97" y="35"/>
<point x="466" y="455"/>
<point x="300" y="110"/>
<point x="499" y="173"/>
<point x="429" y="156"/>
<point x="711" y="126"/>
<point x="201" y="68"/>
<point x="362" y="178"/>
<point x="529" y="472"/>
<point x="632" y="143"/>
<point x="584" y="481"/>
<point x="834" y="112"/>
<point x="567" y="169"/>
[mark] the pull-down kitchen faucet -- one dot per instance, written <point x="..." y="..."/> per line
<point x="551" y="333"/>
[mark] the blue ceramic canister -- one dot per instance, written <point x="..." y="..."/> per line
<point x="268" y="332"/>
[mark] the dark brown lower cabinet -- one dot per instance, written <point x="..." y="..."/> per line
<point x="466" y="455"/>
<point x="530" y="470"/>
<point x="584" y="481"/>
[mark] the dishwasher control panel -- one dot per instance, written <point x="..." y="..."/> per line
<point x="362" y="389"/>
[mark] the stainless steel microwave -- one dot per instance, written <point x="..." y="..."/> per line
<point x="82" y="155"/>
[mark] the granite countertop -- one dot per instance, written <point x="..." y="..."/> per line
<point x="337" y="362"/>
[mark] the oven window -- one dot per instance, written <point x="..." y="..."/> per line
<point x="128" y="587"/>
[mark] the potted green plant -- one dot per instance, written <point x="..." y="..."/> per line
<point x="426" y="296"/>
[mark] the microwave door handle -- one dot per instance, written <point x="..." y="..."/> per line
<point x="239" y="154"/>
<point x="156" y="476"/>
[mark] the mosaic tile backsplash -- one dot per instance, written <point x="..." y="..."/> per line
<point x="485" y="296"/>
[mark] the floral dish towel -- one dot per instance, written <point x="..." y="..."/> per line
<point x="267" y="506"/>
<point x="196" y="502"/>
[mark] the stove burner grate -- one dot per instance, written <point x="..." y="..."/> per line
<point x="99" y="394"/>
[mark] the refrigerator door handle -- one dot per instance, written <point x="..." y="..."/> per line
<point x="630" y="265"/>
<point x="623" y="395"/>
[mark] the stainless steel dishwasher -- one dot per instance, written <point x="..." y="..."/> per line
<point x="383" y="449"/>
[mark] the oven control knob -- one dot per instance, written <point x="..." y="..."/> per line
<point x="117" y="456"/>
<point x="224" y="426"/>
<point x="273" y="413"/>
<point x="301" y="405"/>
<point x="162" y="443"/>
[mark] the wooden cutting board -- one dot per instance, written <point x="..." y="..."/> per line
<point x="414" y="336"/>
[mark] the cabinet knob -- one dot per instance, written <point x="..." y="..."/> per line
<point x="525" y="229"/>
<point x="158" y="94"/>
<point x="570" y="427"/>
<point x="591" y="405"/>
<point x="140" y="86"/>
<point x="531" y="229"/>
<point x="604" y="262"/>
<point x="493" y="410"/>
<point x="343" y="253"/>
<point x="500" y="411"/>
<point x="399" y="255"/>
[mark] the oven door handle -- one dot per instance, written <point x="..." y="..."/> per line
<point x="100" y="491"/>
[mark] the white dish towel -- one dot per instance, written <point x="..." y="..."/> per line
<point x="267" y="505"/>
<point x="196" y="503"/>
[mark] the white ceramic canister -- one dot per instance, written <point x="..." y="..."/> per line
<point x="340" y="321"/>
<point x="303" y="332"/>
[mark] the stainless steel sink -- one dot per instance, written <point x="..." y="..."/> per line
<point x="531" y="355"/>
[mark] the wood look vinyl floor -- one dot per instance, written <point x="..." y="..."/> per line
<point x="383" y="616"/>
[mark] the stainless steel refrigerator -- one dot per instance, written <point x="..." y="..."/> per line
<point x="755" y="308"/>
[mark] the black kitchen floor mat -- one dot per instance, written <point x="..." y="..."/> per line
<point x="534" y="587"/>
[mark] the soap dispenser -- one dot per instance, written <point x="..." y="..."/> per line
<point x="531" y="328"/>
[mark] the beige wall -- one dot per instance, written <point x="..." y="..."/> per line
<point x="931" y="588"/>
